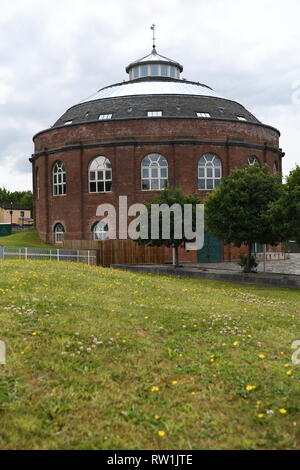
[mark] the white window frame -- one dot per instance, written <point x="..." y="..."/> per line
<point x="211" y="164"/>
<point x="59" y="232"/>
<point x="104" y="117"/>
<point x="253" y="160"/>
<point x="59" y="179"/>
<point x="100" y="231"/>
<point x="203" y="115"/>
<point x="97" y="165"/>
<point x="154" y="165"/>
<point x="154" y="113"/>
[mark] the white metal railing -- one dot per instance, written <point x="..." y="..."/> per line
<point x="50" y="254"/>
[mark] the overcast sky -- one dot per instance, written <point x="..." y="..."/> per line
<point x="54" y="53"/>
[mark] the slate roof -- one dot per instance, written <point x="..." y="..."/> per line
<point x="181" y="102"/>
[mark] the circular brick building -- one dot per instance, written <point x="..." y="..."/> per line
<point x="133" y="139"/>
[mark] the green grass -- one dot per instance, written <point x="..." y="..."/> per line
<point x="28" y="239"/>
<point x="86" y="345"/>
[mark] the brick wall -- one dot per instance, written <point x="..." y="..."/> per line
<point x="125" y="143"/>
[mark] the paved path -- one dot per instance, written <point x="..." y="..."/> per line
<point x="289" y="266"/>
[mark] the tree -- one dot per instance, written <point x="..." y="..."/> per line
<point x="285" y="213"/>
<point x="21" y="198"/>
<point x="238" y="210"/>
<point x="169" y="197"/>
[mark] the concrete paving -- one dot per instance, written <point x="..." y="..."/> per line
<point x="288" y="266"/>
<point x="285" y="273"/>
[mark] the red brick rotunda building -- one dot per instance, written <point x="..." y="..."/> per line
<point x="133" y="139"/>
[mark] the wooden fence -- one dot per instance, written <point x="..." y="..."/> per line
<point x="119" y="251"/>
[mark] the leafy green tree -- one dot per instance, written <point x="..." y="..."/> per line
<point x="238" y="210"/>
<point x="169" y="197"/>
<point x="21" y="198"/>
<point x="285" y="213"/>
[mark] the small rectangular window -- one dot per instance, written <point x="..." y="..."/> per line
<point x="67" y="123"/>
<point x="154" y="69"/>
<point x="144" y="70"/>
<point x="103" y="117"/>
<point x="203" y="115"/>
<point x="164" y="70"/>
<point x="241" y="118"/>
<point x="154" y="113"/>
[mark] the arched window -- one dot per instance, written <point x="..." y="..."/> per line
<point x="252" y="161"/>
<point x="209" y="171"/>
<point x="59" y="179"/>
<point x="154" y="172"/>
<point x="37" y="183"/>
<point x="275" y="168"/>
<point x="100" y="231"/>
<point x="59" y="232"/>
<point x="100" y="175"/>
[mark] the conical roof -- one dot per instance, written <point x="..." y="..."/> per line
<point x="156" y="58"/>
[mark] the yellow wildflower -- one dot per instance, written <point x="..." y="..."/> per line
<point x="161" y="433"/>
<point x="261" y="356"/>
<point x="154" y="389"/>
<point x="289" y="372"/>
<point x="282" y="411"/>
<point x="249" y="388"/>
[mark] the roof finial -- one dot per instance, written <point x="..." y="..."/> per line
<point x="153" y="29"/>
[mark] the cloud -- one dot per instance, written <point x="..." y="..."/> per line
<point x="55" y="53"/>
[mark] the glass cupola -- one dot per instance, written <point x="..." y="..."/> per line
<point x="154" y="65"/>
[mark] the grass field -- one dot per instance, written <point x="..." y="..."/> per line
<point x="28" y="239"/>
<point x="104" y="359"/>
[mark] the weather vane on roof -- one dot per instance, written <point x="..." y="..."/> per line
<point x="153" y="29"/>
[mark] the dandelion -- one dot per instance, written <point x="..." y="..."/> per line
<point x="154" y="389"/>
<point x="161" y="433"/>
<point x="289" y="372"/>
<point x="283" y="411"/>
<point x="34" y="333"/>
<point x="249" y="388"/>
<point x="193" y="393"/>
<point x="157" y="417"/>
<point x="235" y="343"/>
<point x="260" y="415"/>
<point x="174" y="382"/>
<point x="261" y="356"/>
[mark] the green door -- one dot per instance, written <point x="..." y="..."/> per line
<point x="212" y="250"/>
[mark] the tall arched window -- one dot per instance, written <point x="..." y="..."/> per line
<point x="59" y="179"/>
<point x="37" y="183"/>
<point x="275" y="168"/>
<point x="154" y="170"/>
<point x="209" y="171"/>
<point x="100" y="175"/>
<point x="59" y="232"/>
<point x="100" y="231"/>
<point x="252" y="161"/>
